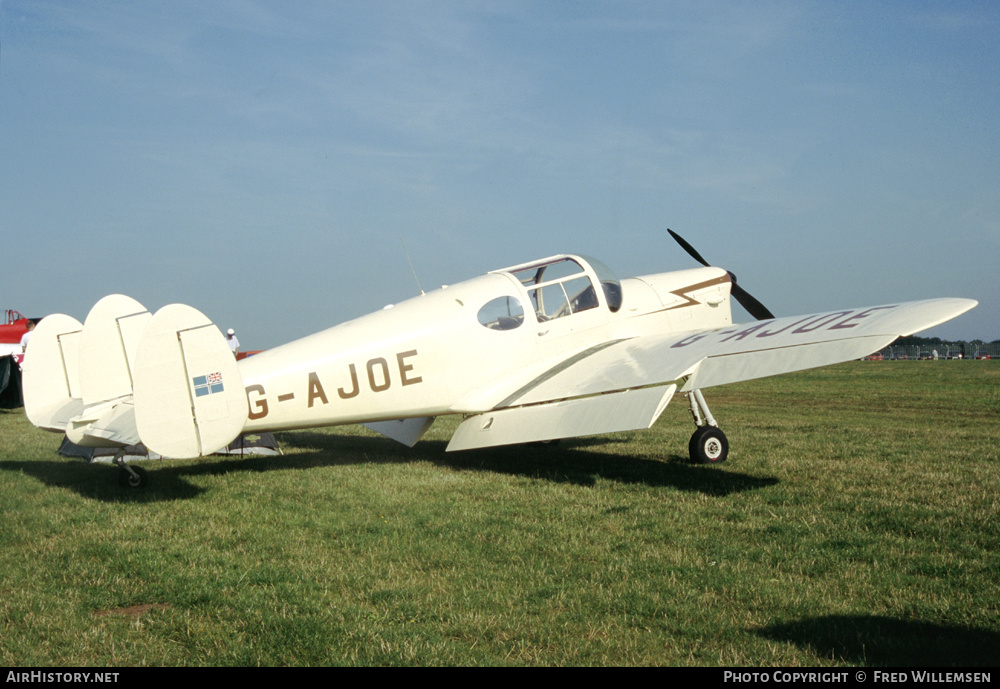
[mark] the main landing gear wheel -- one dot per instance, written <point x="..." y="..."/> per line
<point x="132" y="477"/>
<point x="708" y="445"/>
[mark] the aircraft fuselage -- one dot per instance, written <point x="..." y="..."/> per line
<point x="439" y="353"/>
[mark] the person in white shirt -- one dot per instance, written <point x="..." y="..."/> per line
<point x="234" y="344"/>
<point x="27" y="336"/>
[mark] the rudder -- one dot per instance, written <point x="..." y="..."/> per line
<point x="107" y="348"/>
<point x="51" y="377"/>
<point x="189" y="396"/>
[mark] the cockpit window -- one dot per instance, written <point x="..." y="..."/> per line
<point x="555" y="300"/>
<point x="502" y="313"/>
<point x="562" y="286"/>
<point x="548" y="272"/>
<point x="610" y="284"/>
<point x="613" y="293"/>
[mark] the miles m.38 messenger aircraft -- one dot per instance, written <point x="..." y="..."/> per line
<point x="551" y="349"/>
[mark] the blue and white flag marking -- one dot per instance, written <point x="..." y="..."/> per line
<point x="207" y="385"/>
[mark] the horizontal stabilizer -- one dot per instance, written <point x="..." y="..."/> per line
<point x="104" y="425"/>
<point x="189" y="396"/>
<point x="628" y="410"/>
<point x="51" y="375"/>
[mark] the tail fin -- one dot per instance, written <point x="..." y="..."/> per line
<point x="189" y="396"/>
<point x="51" y="375"/>
<point x="105" y="358"/>
<point x="107" y="348"/>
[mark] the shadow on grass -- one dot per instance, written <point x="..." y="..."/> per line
<point x="577" y="462"/>
<point x="99" y="481"/>
<point x="886" y="641"/>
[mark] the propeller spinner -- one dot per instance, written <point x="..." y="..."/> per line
<point x="745" y="299"/>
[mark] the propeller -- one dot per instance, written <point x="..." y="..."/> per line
<point x="745" y="299"/>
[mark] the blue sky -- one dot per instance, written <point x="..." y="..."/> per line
<point x="266" y="161"/>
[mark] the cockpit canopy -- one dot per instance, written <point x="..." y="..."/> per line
<point x="556" y="287"/>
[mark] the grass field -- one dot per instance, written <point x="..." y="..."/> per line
<point x="855" y="523"/>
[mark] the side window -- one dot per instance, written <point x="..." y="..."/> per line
<point x="609" y="283"/>
<point x="502" y="313"/>
<point x="549" y="302"/>
<point x="563" y="298"/>
<point x="613" y="293"/>
<point x="581" y="294"/>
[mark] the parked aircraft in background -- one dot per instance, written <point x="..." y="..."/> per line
<point x="12" y="328"/>
<point x="555" y="348"/>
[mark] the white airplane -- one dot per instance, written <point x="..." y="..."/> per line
<point x="551" y="349"/>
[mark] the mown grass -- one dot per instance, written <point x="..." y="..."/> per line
<point x="856" y="522"/>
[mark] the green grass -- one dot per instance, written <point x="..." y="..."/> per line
<point x="856" y="522"/>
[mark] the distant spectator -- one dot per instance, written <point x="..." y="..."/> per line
<point x="234" y="344"/>
<point x="27" y="336"/>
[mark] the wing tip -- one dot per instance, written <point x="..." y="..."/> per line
<point x="947" y="309"/>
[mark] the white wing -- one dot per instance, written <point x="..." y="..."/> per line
<point x="585" y="394"/>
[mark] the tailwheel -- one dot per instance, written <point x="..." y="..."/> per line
<point x="708" y="445"/>
<point x="131" y="477"/>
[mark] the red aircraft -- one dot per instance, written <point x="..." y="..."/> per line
<point x="12" y="329"/>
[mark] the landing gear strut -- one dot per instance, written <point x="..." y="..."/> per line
<point x="708" y="444"/>
<point x="129" y="476"/>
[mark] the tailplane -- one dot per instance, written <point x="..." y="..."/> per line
<point x="126" y="376"/>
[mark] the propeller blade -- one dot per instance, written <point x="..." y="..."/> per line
<point x="753" y="307"/>
<point x="744" y="298"/>
<point x="688" y="248"/>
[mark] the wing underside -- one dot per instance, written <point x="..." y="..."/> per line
<point x="626" y="410"/>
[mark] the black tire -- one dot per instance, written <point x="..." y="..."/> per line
<point x="708" y="445"/>
<point x="127" y="480"/>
